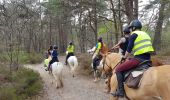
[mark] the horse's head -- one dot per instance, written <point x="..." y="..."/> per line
<point x="109" y="63"/>
<point x="91" y="50"/>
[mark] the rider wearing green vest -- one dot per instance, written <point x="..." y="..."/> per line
<point x="97" y="55"/>
<point x="141" y="45"/>
<point x="70" y="51"/>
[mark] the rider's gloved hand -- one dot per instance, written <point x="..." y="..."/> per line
<point x="123" y="59"/>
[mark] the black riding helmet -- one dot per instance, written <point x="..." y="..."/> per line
<point x="51" y="47"/>
<point x="55" y="47"/>
<point x="100" y="39"/>
<point x="70" y="43"/>
<point x="126" y="30"/>
<point x="135" y="24"/>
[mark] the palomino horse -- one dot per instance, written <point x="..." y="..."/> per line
<point x="73" y="63"/>
<point x="154" y="84"/>
<point x="116" y="59"/>
<point x="55" y="72"/>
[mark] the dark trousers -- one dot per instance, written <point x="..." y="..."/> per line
<point x="54" y="59"/>
<point x="96" y="61"/>
<point x="69" y="54"/>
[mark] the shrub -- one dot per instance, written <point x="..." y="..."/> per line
<point x="20" y="85"/>
<point x="8" y="93"/>
<point x="27" y="82"/>
<point x="23" y="57"/>
<point x="85" y="61"/>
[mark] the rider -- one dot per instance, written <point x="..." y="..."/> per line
<point x="70" y="51"/>
<point x="97" y="56"/>
<point x="141" y="45"/>
<point x="123" y="43"/>
<point x="54" y="57"/>
<point x="50" y="50"/>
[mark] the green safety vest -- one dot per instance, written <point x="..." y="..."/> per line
<point x="70" y="48"/>
<point x="99" y="46"/>
<point x="142" y="43"/>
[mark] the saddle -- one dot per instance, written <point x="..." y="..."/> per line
<point x="133" y="77"/>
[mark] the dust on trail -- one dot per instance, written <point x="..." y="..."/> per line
<point x="77" y="88"/>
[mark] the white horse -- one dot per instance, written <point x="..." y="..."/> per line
<point x="73" y="63"/>
<point x="56" y="73"/>
<point x="57" y="68"/>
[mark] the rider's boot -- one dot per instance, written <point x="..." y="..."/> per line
<point x="120" y="91"/>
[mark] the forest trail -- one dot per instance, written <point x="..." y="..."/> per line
<point x="77" y="88"/>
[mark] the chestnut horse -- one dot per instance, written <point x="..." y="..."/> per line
<point x="154" y="84"/>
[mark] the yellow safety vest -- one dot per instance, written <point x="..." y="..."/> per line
<point x="98" y="47"/>
<point x="142" y="43"/>
<point x="70" y="48"/>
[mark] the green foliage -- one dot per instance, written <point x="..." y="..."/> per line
<point x="22" y="84"/>
<point x="8" y="93"/>
<point x="105" y="27"/>
<point x="23" y="57"/>
<point x="27" y="82"/>
<point x="32" y="58"/>
<point x="149" y="31"/>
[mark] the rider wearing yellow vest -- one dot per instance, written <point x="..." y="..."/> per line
<point x="97" y="56"/>
<point x="70" y="51"/>
<point x="141" y="45"/>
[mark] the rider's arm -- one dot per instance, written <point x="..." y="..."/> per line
<point x="122" y="40"/>
<point x="131" y="44"/>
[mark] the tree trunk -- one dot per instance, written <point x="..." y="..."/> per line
<point x="158" y="29"/>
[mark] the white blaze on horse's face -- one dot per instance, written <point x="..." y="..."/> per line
<point x="91" y="50"/>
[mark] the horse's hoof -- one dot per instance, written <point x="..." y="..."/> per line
<point x="106" y="91"/>
<point x="95" y="80"/>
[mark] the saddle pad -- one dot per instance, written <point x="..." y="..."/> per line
<point x="137" y="73"/>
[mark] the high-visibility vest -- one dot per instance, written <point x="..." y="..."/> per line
<point x="142" y="43"/>
<point x="70" y="49"/>
<point x="98" y="47"/>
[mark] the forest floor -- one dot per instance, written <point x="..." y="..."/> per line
<point x="80" y="87"/>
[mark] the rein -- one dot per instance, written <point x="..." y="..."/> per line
<point x="110" y="68"/>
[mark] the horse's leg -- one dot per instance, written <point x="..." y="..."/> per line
<point x="95" y="76"/>
<point x="57" y="81"/>
<point x="107" y="84"/>
<point x="113" y="84"/>
<point x="61" y="80"/>
<point x="72" y="70"/>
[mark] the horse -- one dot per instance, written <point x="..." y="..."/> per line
<point x="73" y="64"/>
<point x="55" y="72"/>
<point x="116" y="59"/>
<point x="154" y="84"/>
<point x="98" y="68"/>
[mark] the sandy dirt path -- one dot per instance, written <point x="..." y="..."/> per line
<point x="78" y="88"/>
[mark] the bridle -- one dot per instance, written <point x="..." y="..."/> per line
<point x="109" y="73"/>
